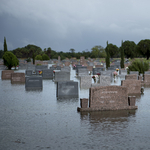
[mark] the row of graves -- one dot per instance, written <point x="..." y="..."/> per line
<point x="92" y="75"/>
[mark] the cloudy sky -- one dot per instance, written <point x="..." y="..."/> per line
<point x="77" y="24"/>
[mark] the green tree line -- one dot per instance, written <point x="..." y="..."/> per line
<point x="130" y="49"/>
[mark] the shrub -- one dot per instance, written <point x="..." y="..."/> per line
<point x="138" y="65"/>
<point x="38" y="57"/>
<point x="45" y="57"/>
<point x="28" y="59"/>
<point x="10" y="60"/>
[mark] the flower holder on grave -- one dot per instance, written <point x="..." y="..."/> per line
<point x="84" y="103"/>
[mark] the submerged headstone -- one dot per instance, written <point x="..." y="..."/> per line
<point x="67" y="89"/>
<point x="6" y="74"/>
<point x="18" y="78"/>
<point x="33" y="83"/>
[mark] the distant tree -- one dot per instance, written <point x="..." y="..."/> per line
<point x="113" y="50"/>
<point x="45" y="57"/>
<point x="139" y="65"/>
<point x="1" y="53"/>
<point x="48" y="52"/>
<point x="107" y="56"/>
<point x="98" y="52"/>
<point x="38" y="57"/>
<point x="122" y="56"/>
<point x="143" y="48"/>
<point x="5" y="45"/>
<point x="33" y="57"/>
<point x="10" y="60"/>
<point x="129" y="49"/>
<point x="72" y="50"/>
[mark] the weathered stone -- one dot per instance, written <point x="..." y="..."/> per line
<point x="18" y="78"/>
<point x="85" y="81"/>
<point x="133" y="86"/>
<point x="6" y="74"/>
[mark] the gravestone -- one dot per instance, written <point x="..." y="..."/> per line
<point x="29" y="72"/>
<point x="6" y="74"/>
<point x="104" y="81"/>
<point x="58" y="68"/>
<point x="33" y="83"/>
<point x="85" y="82"/>
<point x="62" y="76"/>
<point x="82" y="67"/>
<point x="18" y="78"/>
<point x="47" y="74"/>
<point x="147" y="72"/>
<point x="147" y="78"/>
<point x="22" y="66"/>
<point x="131" y="77"/>
<point x="67" y="89"/>
<point x="97" y="70"/>
<point x="109" y="98"/>
<point x="83" y="72"/>
<point x="123" y="72"/>
<point x="41" y="67"/>
<point x="133" y="86"/>
<point x="66" y="68"/>
<point x="134" y="72"/>
<point x="111" y="68"/>
<point x="30" y="67"/>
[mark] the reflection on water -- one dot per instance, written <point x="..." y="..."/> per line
<point x="37" y="120"/>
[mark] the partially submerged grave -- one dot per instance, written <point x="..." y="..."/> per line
<point x="108" y="98"/>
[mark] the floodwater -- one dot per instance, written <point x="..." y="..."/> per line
<point x="37" y="120"/>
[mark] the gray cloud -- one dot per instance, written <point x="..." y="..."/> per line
<point x="76" y="24"/>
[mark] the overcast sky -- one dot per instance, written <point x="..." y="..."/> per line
<point x="77" y="24"/>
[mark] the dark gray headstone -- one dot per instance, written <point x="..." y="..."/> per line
<point x="28" y="72"/>
<point x="30" y="67"/>
<point x="33" y="83"/>
<point x="67" y="89"/>
<point x="58" y="68"/>
<point x="62" y="76"/>
<point x="41" y="67"/>
<point x="97" y="70"/>
<point x="66" y="68"/>
<point x="47" y="74"/>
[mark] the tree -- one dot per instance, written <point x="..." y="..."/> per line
<point x="107" y="56"/>
<point x="98" y="52"/>
<point x="129" y="49"/>
<point x="38" y="57"/>
<point x="45" y="57"/>
<point x="143" y="48"/>
<point x="72" y="50"/>
<point x="122" y="56"/>
<point x="113" y="50"/>
<point x="48" y="52"/>
<point x="10" y="60"/>
<point x="5" y="45"/>
<point x="139" y="65"/>
<point x="1" y="53"/>
<point x="33" y="57"/>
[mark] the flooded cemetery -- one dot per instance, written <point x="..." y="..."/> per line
<point x="74" y="104"/>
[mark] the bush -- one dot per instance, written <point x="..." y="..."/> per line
<point x="45" y="57"/>
<point x="28" y="59"/>
<point x="38" y="57"/>
<point x="10" y="60"/>
<point x="138" y="65"/>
